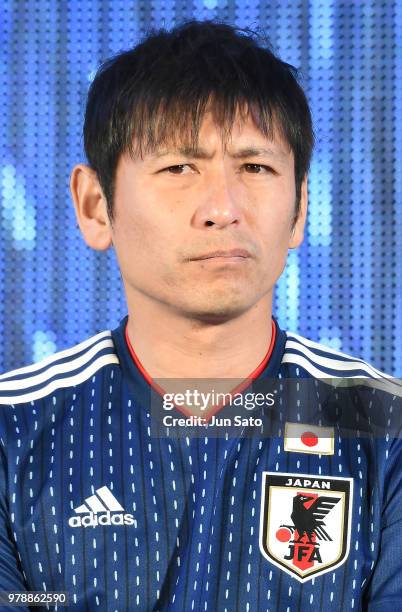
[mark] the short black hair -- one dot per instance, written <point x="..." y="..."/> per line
<point x="157" y="93"/>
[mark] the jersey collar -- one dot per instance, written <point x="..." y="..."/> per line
<point x="140" y="381"/>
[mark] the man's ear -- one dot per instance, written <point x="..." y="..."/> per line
<point x="297" y="234"/>
<point x="90" y="208"/>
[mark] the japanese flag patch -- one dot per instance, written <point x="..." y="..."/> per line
<point x="305" y="438"/>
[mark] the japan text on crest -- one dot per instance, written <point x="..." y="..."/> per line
<point x="305" y="522"/>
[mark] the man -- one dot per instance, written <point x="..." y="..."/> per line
<point x="198" y="142"/>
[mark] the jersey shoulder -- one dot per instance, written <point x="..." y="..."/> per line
<point x="66" y="368"/>
<point x="319" y="361"/>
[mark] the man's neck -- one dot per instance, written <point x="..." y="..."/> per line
<point x="172" y="346"/>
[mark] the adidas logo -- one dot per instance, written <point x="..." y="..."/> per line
<point x="100" y="509"/>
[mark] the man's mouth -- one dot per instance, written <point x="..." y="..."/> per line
<point x="232" y="254"/>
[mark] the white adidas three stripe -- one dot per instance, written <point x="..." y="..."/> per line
<point x="94" y="503"/>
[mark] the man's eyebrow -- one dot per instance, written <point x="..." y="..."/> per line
<point x="200" y="153"/>
<point x="259" y="152"/>
<point x="197" y="153"/>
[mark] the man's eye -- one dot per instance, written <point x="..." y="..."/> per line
<point x="257" y="168"/>
<point x="177" y="169"/>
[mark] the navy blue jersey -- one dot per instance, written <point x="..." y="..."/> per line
<point x="93" y="504"/>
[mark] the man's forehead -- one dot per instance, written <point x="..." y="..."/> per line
<point x="243" y="133"/>
<point x="246" y="140"/>
<point x="235" y="150"/>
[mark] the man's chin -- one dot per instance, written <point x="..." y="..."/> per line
<point x="216" y="314"/>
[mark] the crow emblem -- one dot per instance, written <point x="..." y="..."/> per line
<point x="308" y="514"/>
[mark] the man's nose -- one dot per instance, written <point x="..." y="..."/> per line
<point x="219" y="205"/>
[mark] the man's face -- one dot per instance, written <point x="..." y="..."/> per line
<point x="172" y="212"/>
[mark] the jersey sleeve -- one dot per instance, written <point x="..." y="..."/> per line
<point x="11" y="578"/>
<point x="384" y="592"/>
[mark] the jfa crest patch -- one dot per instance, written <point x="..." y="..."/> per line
<point x="305" y="522"/>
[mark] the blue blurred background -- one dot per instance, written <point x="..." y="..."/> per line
<point x="342" y="288"/>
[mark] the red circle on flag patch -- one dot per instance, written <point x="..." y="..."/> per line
<point x="283" y="534"/>
<point x="309" y="438"/>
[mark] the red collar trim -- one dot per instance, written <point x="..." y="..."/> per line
<point x="245" y="383"/>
